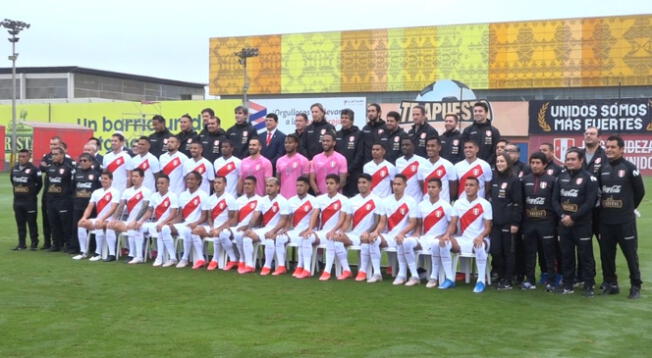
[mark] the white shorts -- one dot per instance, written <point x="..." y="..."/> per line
<point x="92" y="220"/>
<point x="182" y="229"/>
<point x="427" y="242"/>
<point x="355" y="238"/>
<point x="389" y="238"/>
<point x="293" y="236"/>
<point x="261" y="233"/>
<point x="466" y="244"/>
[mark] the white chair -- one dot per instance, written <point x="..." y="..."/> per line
<point x="338" y="267"/>
<point x="208" y="244"/>
<point x="427" y="261"/>
<point x="392" y="260"/>
<point x="466" y="260"/>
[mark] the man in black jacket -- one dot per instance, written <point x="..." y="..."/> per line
<point x="421" y="130"/>
<point x="622" y="191"/>
<point x="85" y="181"/>
<point x="348" y="142"/>
<point x="574" y="198"/>
<point x="187" y="134"/>
<point x="159" y="139"/>
<point x="594" y="154"/>
<point x="211" y="138"/>
<point x="552" y="168"/>
<point x="311" y="141"/>
<point x="26" y="182"/>
<point x="392" y="136"/>
<point x="373" y="130"/>
<point x="300" y="124"/>
<point x="482" y="132"/>
<point x="452" y="146"/>
<point x="59" y="189"/>
<point x="240" y="133"/>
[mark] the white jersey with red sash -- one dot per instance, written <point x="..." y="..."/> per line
<point x="441" y="169"/>
<point x="204" y="168"/>
<point x="478" y="169"/>
<point x="331" y="209"/>
<point x="271" y="210"/>
<point x="103" y="200"/>
<point x="246" y="207"/>
<point x="230" y="169"/>
<point x="192" y="204"/>
<point x="172" y="166"/>
<point x="219" y="208"/>
<point x="381" y="177"/>
<point x="116" y="163"/>
<point x="301" y="210"/>
<point x="134" y="199"/>
<point x="435" y="217"/>
<point x="399" y="212"/>
<point x="410" y="168"/>
<point x="149" y="164"/>
<point x="363" y="211"/>
<point x="471" y="216"/>
<point x="162" y="205"/>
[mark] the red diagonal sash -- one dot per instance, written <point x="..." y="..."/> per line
<point x="171" y="166"/>
<point x="218" y="209"/>
<point x="378" y="176"/>
<point x="103" y="202"/>
<point x="301" y="213"/>
<point x="362" y="212"/>
<point x="437" y="173"/>
<point x="115" y="164"/>
<point x="134" y="200"/>
<point x="397" y="216"/>
<point x="201" y="169"/>
<point x="144" y="165"/>
<point x="161" y="208"/>
<point x="190" y="206"/>
<point x="411" y="170"/>
<point x="471" y="173"/>
<point x="329" y="211"/>
<point x="470" y="216"/>
<point x="432" y="219"/>
<point x="247" y="209"/>
<point x="226" y="170"/>
<point x="269" y="214"/>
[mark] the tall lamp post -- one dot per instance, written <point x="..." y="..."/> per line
<point x="244" y="54"/>
<point x="13" y="27"/>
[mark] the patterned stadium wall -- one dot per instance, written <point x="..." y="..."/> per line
<point x="591" y="52"/>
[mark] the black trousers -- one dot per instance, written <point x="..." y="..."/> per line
<point x="578" y="236"/>
<point x="519" y="257"/>
<point x="502" y="251"/>
<point x="351" y="187"/>
<point x="47" y="233"/>
<point x="540" y="235"/>
<point x="26" y="213"/>
<point x="626" y="237"/>
<point x="60" y="218"/>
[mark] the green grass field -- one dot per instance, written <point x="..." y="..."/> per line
<point x="52" y="306"/>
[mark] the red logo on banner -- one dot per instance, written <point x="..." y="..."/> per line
<point x="562" y="145"/>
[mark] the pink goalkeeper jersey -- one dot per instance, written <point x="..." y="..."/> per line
<point x="289" y="169"/>
<point x="322" y="165"/>
<point x="260" y="168"/>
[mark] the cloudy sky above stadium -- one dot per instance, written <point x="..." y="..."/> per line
<point x="171" y="40"/>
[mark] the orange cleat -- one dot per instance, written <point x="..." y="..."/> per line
<point x="265" y="271"/>
<point x="304" y="274"/>
<point x="361" y="276"/>
<point x="212" y="266"/>
<point x="325" y="276"/>
<point x="241" y="267"/>
<point x="280" y="271"/>
<point x="230" y="265"/>
<point x="345" y="275"/>
<point x="199" y="264"/>
<point x="248" y="269"/>
<point x="297" y="272"/>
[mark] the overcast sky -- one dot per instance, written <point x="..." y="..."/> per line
<point x="146" y="38"/>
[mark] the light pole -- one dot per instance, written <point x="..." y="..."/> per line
<point x="13" y="27"/>
<point x="243" y="55"/>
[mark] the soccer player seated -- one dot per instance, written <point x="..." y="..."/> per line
<point x="301" y="207"/>
<point x="246" y="205"/>
<point x="163" y="207"/>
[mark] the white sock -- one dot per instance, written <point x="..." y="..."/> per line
<point x="410" y="256"/>
<point x="481" y="262"/>
<point x="187" y="244"/>
<point x="374" y="254"/>
<point x="100" y="241"/>
<point x="168" y="243"/>
<point x="340" y="251"/>
<point x="446" y="260"/>
<point x="217" y="249"/>
<point x="131" y="243"/>
<point x="110" y="241"/>
<point x="198" y="245"/>
<point x="238" y="236"/>
<point x="330" y="255"/>
<point x="270" y="248"/>
<point x="248" y="246"/>
<point x="82" y="236"/>
<point x="402" y="262"/>
<point x="435" y="261"/>
<point x="138" y="243"/>
<point x="364" y="257"/>
<point x="306" y="252"/>
<point x="225" y="240"/>
<point x="281" y="240"/>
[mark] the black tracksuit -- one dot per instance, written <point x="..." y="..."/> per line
<point x="85" y="181"/>
<point x="575" y="195"/>
<point x="372" y="133"/>
<point x="520" y="169"/>
<point x="46" y="160"/>
<point x="211" y="143"/>
<point x="485" y="135"/>
<point x="185" y="139"/>
<point x="452" y="146"/>
<point x="539" y="224"/>
<point x="59" y="188"/>
<point x="311" y="141"/>
<point x="26" y="182"/>
<point x="622" y="191"/>
<point x="391" y="140"/>
<point x="553" y="169"/>
<point x="506" y="204"/>
<point x="158" y="142"/>
<point x="349" y="143"/>
<point x="420" y="134"/>
<point x="239" y="135"/>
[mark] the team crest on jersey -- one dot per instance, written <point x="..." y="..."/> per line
<point x="423" y="135"/>
<point x="438" y="213"/>
<point x="598" y="160"/>
<point x="332" y="164"/>
<point x="306" y="207"/>
<point x="368" y="206"/>
<point x="503" y="186"/>
<point x="402" y="211"/>
<point x="456" y="141"/>
<point x="216" y="142"/>
<point x="61" y="171"/>
<point x="439" y="172"/>
<point x="476" y="172"/>
<point x="488" y="133"/>
<point x="414" y="168"/>
<point x="397" y="139"/>
<point x="257" y="166"/>
<point x="107" y="197"/>
<point x="245" y="133"/>
<point x="189" y="140"/>
<point x="274" y="209"/>
<point x="352" y="139"/>
<point x="621" y="173"/>
<point x="165" y="140"/>
<point x="476" y="211"/>
<point x="222" y="205"/>
<point x="579" y="181"/>
<point x="323" y="131"/>
<point x="91" y="177"/>
<point x="252" y="205"/>
<point x="196" y="201"/>
<point x="166" y="203"/>
<point x="27" y="171"/>
<point x="294" y="165"/>
<point x="543" y="185"/>
<point x="383" y="173"/>
<point x="550" y="171"/>
<point x="380" y="131"/>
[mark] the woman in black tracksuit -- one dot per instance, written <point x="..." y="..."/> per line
<point x="506" y="203"/>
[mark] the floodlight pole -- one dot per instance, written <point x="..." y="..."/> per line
<point x="243" y="55"/>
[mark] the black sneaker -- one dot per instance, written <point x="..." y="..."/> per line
<point x="634" y="292"/>
<point x="109" y="258"/>
<point x="54" y="249"/>
<point x="550" y="288"/>
<point x="610" y="289"/>
<point x="588" y="291"/>
<point x="19" y="248"/>
<point x="566" y="291"/>
<point x="504" y="286"/>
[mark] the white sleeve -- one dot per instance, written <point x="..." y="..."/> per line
<point x="451" y="173"/>
<point x="488" y="213"/>
<point x="154" y="164"/>
<point x="174" y="201"/>
<point x="284" y="207"/>
<point x="413" y="209"/>
<point x="205" y="203"/>
<point x="210" y="171"/>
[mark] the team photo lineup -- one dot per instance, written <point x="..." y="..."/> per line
<point x="413" y="205"/>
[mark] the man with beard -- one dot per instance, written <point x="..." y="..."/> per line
<point x="421" y="130"/>
<point x="159" y="139"/>
<point x="241" y="132"/>
<point x="452" y="146"/>
<point x="187" y="134"/>
<point x="315" y="131"/>
<point x="482" y="132"/>
<point x="373" y="130"/>
<point x="212" y="136"/>
<point x="348" y="142"/>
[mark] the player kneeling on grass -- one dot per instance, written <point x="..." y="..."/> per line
<point x="401" y="212"/>
<point x="104" y="200"/>
<point x="162" y="210"/>
<point x="274" y="211"/>
<point x="132" y="208"/>
<point x="222" y="210"/>
<point x="194" y="210"/>
<point x="471" y="223"/>
<point x="331" y="213"/>
<point x="367" y="221"/>
<point x="246" y="204"/>
<point x="301" y="206"/>
<point x="434" y="219"/>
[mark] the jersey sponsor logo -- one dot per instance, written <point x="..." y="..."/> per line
<point x="330" y="210"/>
<point x="362" y="212"/>
<point x="535" y="201"/>
<point x="270" y="213"/>
<point x="470" y="216"/>
<point x="171" y="166"/>
<point x="247" y="209"/>
<point x="218" y="209"/>
<point x="190" y="207"/>
<point x="226" y="169"/>
<point x="115" y="164"/>
<point x="398" y="215"/>
<point x="134" y="200"/>
<point x="432" y="219"/>
<point x="613" y="189"/>
<point x="162" y="208"/>
<point x="571" y="193"/>
<point x="104" y="201"/>
<point x="301" y="212"/>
